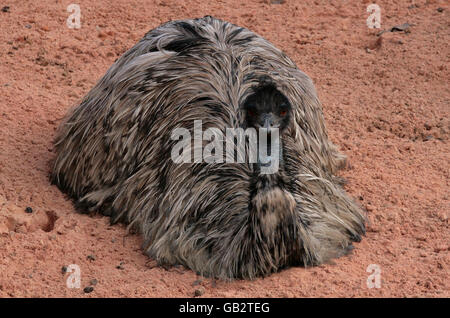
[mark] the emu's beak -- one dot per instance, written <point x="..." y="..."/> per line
<point x="268" y="121"/>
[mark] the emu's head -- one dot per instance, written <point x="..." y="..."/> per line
<point x="267" y="108"/>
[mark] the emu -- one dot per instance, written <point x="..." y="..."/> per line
<point x="222" y="220"/>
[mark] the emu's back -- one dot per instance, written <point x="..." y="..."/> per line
<point x="114" y="156"/>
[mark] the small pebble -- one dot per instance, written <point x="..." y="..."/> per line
<point x="91" y="257"/>
<point x="427" y="138"/>
<point x="120" y="266"/>
<point x="5" y="9"/>
<point x="64" y="269"/>
<point x="88" y="289"/>
<point x="28" y="210"/>
<point x="440" y="9"/>
<point x="199" y="291"/>
<point x="93" y="282"/>
<point x="28" y="26"/>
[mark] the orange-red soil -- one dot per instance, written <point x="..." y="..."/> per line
<point x="386" y="101"/>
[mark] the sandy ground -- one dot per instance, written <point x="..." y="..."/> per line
<point x="386" y="101"/>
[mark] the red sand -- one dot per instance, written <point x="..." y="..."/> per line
<point x="386" y="104"/>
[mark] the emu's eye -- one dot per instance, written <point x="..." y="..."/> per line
<point x="283" y="113"/>
<point x="251" y="112"/>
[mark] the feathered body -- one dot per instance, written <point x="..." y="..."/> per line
<point x="220" y="219"/>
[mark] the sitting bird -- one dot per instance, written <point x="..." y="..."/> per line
<point x="227" y="220"/>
